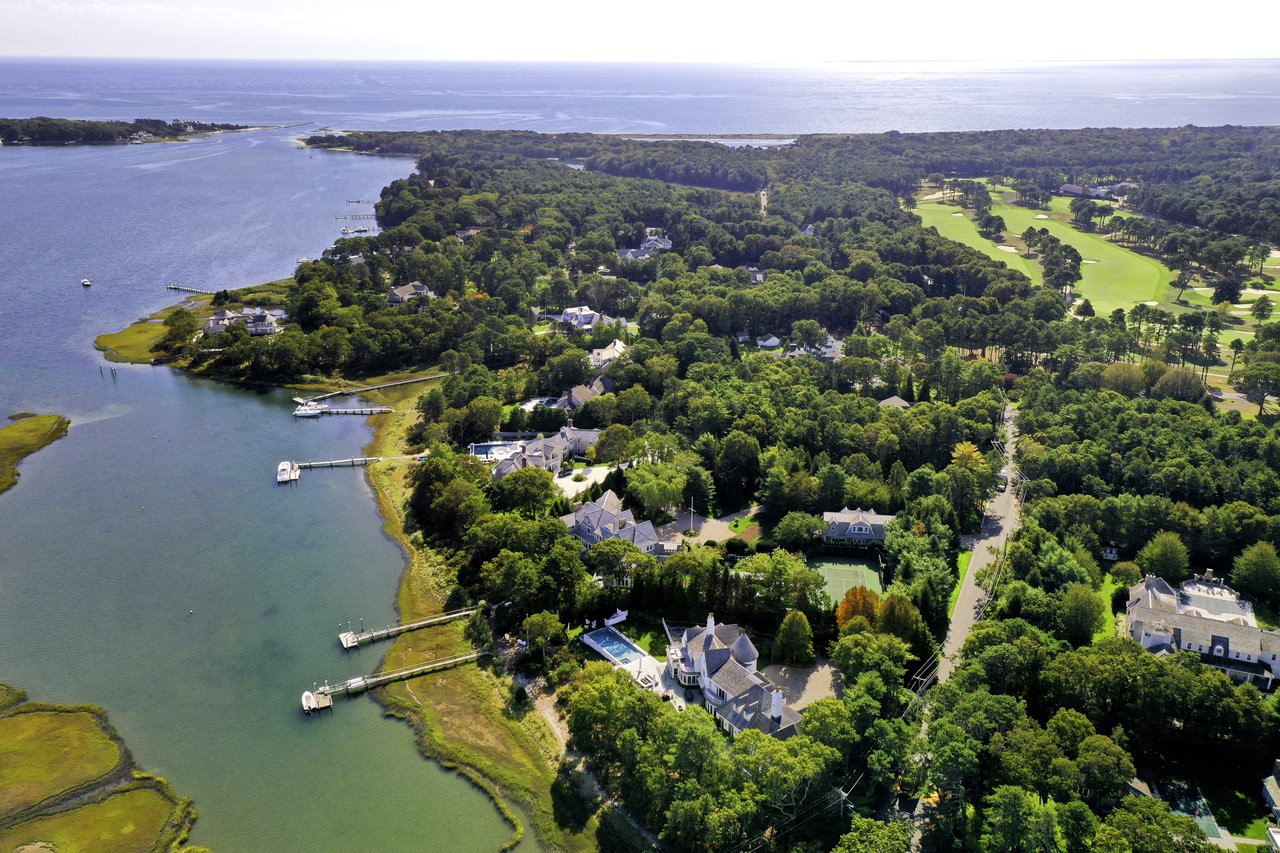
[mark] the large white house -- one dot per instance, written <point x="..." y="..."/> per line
<point x="720" y="660"/>
<point x="1209" y="618"/>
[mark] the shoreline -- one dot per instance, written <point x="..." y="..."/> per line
<point x="26" y="435"/>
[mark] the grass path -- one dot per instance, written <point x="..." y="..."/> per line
<point x="962" y="563"/>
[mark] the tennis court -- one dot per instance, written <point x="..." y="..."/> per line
<point x="842" y="573"/>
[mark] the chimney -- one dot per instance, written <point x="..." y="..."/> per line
<point x="711" y="623"/>
<point x="775" y="707"/>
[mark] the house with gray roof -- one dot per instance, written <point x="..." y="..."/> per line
<point x="607" y="355"/>
<point x="720" y="660"/>
<point x="894" y="402"/>
<point x="583" y="318"/>
<point x="550" y="453"/>
<point x="1208" y="618"/>
<point x="652" y="244"/>
<point x="412" y="290"/>
<point x="604" y="518"/>
<point x="579" y="395"/>
<point x="860" y="527"/>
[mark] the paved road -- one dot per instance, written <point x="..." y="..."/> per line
<point x="1001" y="520"/>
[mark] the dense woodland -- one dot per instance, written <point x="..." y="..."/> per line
<point x="42" y="130"/>
<point x="1030" y="745"/>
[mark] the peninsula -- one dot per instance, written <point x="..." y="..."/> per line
<point x="27" y="434"/>
<point x="840" y="459"/>
<point x="42" y="130"/>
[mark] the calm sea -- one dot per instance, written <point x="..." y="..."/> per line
<point x="652" y="98"/>
<point x="161" y="501"/>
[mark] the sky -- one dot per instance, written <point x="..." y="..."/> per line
<point x="747" y="32"/>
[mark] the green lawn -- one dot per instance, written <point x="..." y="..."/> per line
<point x="651" y="638"/>
<point x="740" y="525"/>
<point x="962" y="563"/>
<point x="962" y="229"/>
<point x="1118" y="278"/>
<point x="841" y="573"/>
<point x="1108" y="629"/>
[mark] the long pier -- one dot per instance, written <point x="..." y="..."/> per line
<point x="361" y="683"/>
<point x="186" y="289"/>
<point x="341" y="463"/>
<point x="354" y="639"/>
<point x="352" y="392"/>
<point x="357" y="216"/>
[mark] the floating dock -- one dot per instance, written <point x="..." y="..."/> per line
<point x="324" y="694"/>
<point x="357" y="216"/>
<point x="356" y="639"/>
<point x="314" y="411"/>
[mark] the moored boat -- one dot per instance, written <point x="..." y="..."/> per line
<point x="308" y="701"/>
<point x="84" y="282"/>
<point x="310" y="410"/>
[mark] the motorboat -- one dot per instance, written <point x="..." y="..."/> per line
<point x="308" y="701"/>
<point x="84" y="282"/>
<point x="310" y="410"/>
<point x="287" y="472"/>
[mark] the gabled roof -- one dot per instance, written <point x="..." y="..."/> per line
<point x="750" y="710"/>
<point x="896" y="402"/>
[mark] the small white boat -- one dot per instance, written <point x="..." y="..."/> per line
<point x="308" y="701"/>
<point x="310" y="410"/>
<point x="287" y="472"/>
<point x="86" y="282"/>
<point x="304" y="260"/>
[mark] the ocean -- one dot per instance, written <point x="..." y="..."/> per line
<point x="852" y="97"/>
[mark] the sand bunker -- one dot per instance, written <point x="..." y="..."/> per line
<point x="1088" y="262"/>
<point x="958" y="213"/>
<point x="1009" y="249"/>
<point x="1041" y="216"/>
<point x="1150" y="302"/>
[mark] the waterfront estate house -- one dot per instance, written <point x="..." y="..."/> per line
<point x="413" y="290"/>
<point x="1209" y="618"/>
<point x="550" y="453"/>
<point x="604" y="518"/>
<point x="721" y="661"/>
<point x="257" y="321"/>
<point x="605" y="356"/>
<point x="859" y="527"/>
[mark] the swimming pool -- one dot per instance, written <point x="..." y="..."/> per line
<point x="615" y="647"/>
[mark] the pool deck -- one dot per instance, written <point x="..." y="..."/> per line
<point x="642" y="665"/>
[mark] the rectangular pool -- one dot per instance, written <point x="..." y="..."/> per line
<point x="614" y="646"/>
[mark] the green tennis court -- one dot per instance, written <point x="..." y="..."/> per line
<point x="842" y="573"/>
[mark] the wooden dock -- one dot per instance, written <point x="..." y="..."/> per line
<point x="357" y="216"/>
<point x="185" y="289"/>
<point x="356" y="639"/>
<point x="361" y="683"/>
<point x="353" y="392"/>
<point x="340" y="463"/>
